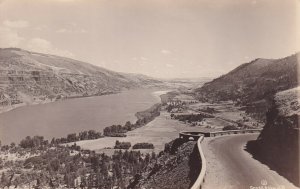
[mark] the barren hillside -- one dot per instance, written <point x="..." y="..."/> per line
<point x="28" y="77"/>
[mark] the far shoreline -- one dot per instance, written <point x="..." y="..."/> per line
<point x="5" y="109"/>
<point x="155" y="93"/>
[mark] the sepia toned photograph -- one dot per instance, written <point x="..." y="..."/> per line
<point x="149" y="94"/>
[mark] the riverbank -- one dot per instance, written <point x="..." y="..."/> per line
<point x="60" y="118"/>
<point x="8" y="108"/>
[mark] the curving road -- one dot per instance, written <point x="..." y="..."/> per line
<point x="229" y="166"/>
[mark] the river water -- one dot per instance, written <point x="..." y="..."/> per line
<point x="60" y="118"/>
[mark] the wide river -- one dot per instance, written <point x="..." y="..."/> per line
<point x="60" y="118"/>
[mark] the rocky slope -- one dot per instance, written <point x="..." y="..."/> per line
<point x="177" y="167"/>
<point x="30" y="77"/>
<point x="278" y="143"/>
<point x="253" y="83"/>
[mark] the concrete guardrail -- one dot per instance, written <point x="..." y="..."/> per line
<point x="220" y="133"/>
<point x="200" y="180"/>
<point x="199" y="136"/>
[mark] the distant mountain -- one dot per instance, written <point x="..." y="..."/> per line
<point x="29" y="76"/>
<point x="253" y="83"/>
<point x="187" y="83"/>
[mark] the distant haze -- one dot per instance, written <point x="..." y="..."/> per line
<point x="160" y="38"/>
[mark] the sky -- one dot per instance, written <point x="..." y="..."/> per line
<point x="158" y="38"/>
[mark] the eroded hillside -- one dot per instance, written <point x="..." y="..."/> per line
<point x="27" y="77"/>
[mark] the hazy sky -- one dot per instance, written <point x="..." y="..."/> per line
<point x="160" y="38"/>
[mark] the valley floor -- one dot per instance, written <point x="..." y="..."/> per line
<point x="163" y="129"/>
<point x="158" y="132"/>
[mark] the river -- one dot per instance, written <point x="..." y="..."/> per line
<point x="60" y="118"/>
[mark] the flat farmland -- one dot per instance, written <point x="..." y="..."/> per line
<point x="158" y="132"/>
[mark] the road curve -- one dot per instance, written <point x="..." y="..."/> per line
<point x="229" y="166"/>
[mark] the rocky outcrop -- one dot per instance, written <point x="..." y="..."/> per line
<point x="278" y="144"/>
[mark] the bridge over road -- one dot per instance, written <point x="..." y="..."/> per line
<point x="229" y="166"/>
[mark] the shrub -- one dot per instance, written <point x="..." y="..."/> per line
<point x="36" y="160"/>
<point x="143" y="145"/>
<point x="230" y="127"/>
<point x="122" y="145"/>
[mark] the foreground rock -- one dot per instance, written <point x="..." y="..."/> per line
<point x="278" y="144"/>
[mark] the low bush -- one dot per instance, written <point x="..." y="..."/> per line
<point x="122" y="145"/>
<point x="230" y="127"/>
<point x="143" y="145"/>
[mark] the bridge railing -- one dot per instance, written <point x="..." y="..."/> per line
<point x="219" y="133"/>
<point x="200" y="136"/>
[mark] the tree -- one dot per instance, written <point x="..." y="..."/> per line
<point x="91" y="134"/>
<point x="229" y="127"/>
<point x="54" y="164"/>
<point x="4" y="180"/>
<point x="83" y="135"/>
<point x="128" y="126"/>
<point x="153" y="156"/>
<point x="147" y="158"/>
<point x="95" y="163"/>
<point x="29" y="142"/>
<point x="12" y="145"/>
<point x="83" y="182"/>
<point x="71" y="137"/>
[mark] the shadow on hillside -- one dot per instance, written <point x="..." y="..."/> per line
<point x="194" y="161"/>
<point x="195" y="165"/>
<point x="273" y="161"/>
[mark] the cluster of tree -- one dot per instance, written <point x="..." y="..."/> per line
<point x="122" y="145"/>
<point x="148" y="115"/>
<point x="73" y="137"/>
<point x="190" y="118"/>
<point x="208" y="110"/>
<point x="7" y="147"/>
<point x="230" y="127"/>
<point x="58" y="167"/>
<point x="144" y="117"/>
<point x="143" y="145"/>
<point x="116" y="130"/>
<point x="168" y="97"/>
<point x="177" y="104"/>
<point x="33" y="142"/>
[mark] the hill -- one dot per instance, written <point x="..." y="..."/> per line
<point x="252" y="84"/>
<point x="31" y="77"/>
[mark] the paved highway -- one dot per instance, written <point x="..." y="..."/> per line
<point x="229" y="166"/>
